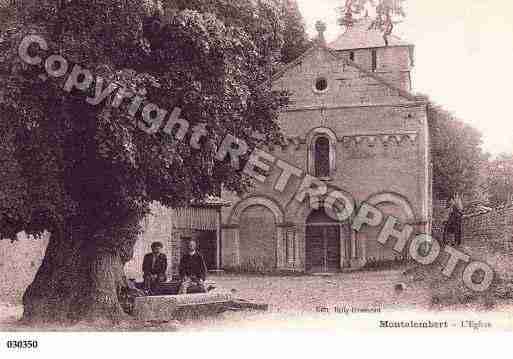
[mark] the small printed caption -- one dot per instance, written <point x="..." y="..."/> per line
<point x="348" y="310"/>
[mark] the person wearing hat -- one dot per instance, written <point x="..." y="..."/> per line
<point x="154" y="267"/>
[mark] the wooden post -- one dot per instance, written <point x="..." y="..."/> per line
<point x="218" y="239"/>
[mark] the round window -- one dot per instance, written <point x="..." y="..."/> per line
<point x="321" y="84"/>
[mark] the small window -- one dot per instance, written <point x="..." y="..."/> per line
<point x="322" y="153"/>
<point x="322" y="157"/>
<point x="374" y="60"/>
<point x="321" y="84"/>
<point x="351" y="55"/>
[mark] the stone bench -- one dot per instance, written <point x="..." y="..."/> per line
<point x="165" y="307"/>
<point x="172" y="287"/>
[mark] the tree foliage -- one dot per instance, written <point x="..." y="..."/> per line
<point x="88" y="173"/>
<point x="208" y="58"/>
<point x="500" y="179"/>
<point x="296" y="40"/>
<point x="456" y="154"/>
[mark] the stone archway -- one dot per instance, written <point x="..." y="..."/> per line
<point x="298" y="213"/>
<point x="234" y="218"/>
<point x="258" y="234"/>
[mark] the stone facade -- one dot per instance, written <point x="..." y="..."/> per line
<point x="378" y="153"/>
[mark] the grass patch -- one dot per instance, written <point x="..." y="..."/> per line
<point x="452" y="291"/>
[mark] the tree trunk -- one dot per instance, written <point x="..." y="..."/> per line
<point x="78" y="280"/>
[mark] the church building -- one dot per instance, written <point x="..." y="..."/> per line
<point x="354" y="123"/>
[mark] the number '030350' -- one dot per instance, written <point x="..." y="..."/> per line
<point x="22" y="344"/>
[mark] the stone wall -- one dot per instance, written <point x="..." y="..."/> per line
<point x="492" y="231"/>
<point x="347" y="84"/>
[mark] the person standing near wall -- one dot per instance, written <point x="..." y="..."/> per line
<point x="453" y="226"/>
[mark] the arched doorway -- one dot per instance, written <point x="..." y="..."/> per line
<point x="323" y="239"/>
<point x="257" y="238"/>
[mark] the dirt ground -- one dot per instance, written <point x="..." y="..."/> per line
<point x="306" y="294"/>
<point x="306" y="302"/>
<point x="288" y="295"/>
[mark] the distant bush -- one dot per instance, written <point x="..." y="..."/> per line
<point x="384" y="263"/>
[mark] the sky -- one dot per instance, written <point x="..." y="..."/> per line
<point x="463" y="58"/>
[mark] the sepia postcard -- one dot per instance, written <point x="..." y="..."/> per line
<point x="273" y="166"/>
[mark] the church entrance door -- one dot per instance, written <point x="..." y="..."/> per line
<point x="322" y="243"/>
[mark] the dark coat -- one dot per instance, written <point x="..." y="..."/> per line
<point x="193" y="267"/>
<point x="454" y="221"/>
<point x="160" y="266"/>
<point x="454" y="224"/>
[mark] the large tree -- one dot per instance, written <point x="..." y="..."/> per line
<point x="456" y="154"/>
<point x="87" y="174"/>
<point x="296" y="40"/>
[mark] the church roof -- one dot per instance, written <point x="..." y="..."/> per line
<point x="359" y="36"/>
<point x="406" y="94"/>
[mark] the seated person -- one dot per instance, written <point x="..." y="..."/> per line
<point x="127" y="293"/>
<point x="154" y="267"/>
<point x="132" y="290"/>
<point x="192" y="270"/>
